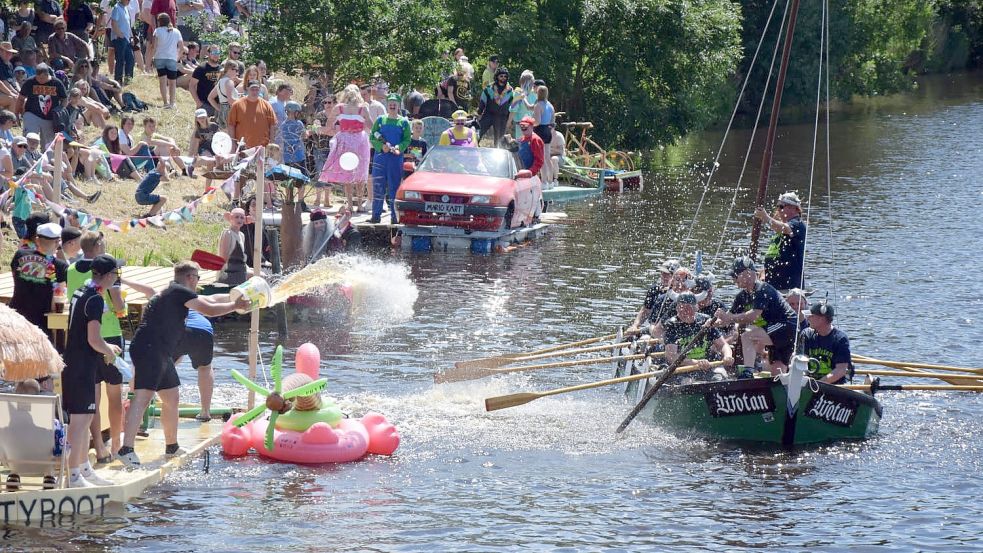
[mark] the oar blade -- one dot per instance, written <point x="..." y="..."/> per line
<point x="459" y="375"/>
<point x="487" y="363"/>
<point x="511" y="400"/>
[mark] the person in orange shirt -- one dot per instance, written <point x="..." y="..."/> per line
<point x="252" y="118"/>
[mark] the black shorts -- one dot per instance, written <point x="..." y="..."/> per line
<point x="153" y="367"/>
<point x="198" y="345"/>
<point x="108" y="373"/>
<point x="783" y="342"/>
<point x="545" y="132"/>
<point x="78" y="382"/>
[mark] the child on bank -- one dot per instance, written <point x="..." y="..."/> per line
<point x="418" y="146"/>
<point x="293" y="133"/>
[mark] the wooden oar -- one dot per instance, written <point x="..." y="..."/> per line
<point x="458" y="374"/>
<point x="913" y="374"/>
<point x="932" y="387"/>
<point x="513" y="400"/>
<point x="863" y="360"/>
<point x="544" y="350"/>
<point x="502" y="361"/>
<point x="683" y="352"/>
<point x="956" y="379"/>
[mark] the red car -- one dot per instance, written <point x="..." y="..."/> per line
<point x="469" y="188"/>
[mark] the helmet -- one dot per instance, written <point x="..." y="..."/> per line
<point x="501" y="71"/>
<point x="293" y="106"/>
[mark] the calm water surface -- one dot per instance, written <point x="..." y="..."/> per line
<point x="551" y="475"/>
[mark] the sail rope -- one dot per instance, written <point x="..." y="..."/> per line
<point x="754" y="130"/>
<point x="829" y="177"/>
<point x="730" y="123"/>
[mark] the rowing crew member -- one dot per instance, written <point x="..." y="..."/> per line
<point x="705" y="302"/>
<point x="655" y="294"/>
<point x="827" y="344"/>
<point x="769" y="319"/>
<point x="785" y="254"/>
<point x="681" y="329"/>
<point x="665" y="309"/>
<point x="797" y="299"/>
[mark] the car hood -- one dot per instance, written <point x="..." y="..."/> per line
<point x="455" y="183"/>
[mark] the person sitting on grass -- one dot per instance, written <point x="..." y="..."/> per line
<point x="119" y="163"/>
<point x="164" y="146"/>
<point x="34" y="153"/>
<point x="145" y="194"/>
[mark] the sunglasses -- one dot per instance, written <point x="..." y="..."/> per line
<point x="20" y="145"/>
<point x="234" y="52"/>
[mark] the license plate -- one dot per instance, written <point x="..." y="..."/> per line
<point x="443" y="209"/>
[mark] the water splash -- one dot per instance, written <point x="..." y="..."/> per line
<point x="380" y="289"/>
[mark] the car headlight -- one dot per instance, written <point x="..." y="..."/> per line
<point x="481" y="199"/>
<point x="410" y="195"/>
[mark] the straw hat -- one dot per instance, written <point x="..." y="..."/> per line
<point x="24" y="349"/>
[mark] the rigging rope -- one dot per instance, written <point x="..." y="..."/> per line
<point x="754" y="130"/>
<point x="829" y="177"/>
<point x="730" y="123"/>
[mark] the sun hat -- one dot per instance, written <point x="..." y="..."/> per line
<point x="33" y="136"/>
<point x="7" y="47"/>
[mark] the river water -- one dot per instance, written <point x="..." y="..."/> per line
<point x="902" y="268"/>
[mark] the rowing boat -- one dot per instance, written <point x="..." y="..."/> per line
<point x="759" y="410"/>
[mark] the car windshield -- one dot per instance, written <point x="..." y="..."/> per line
<point x="484" y="162"/>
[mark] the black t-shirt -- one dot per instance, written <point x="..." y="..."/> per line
<point x="43" y="99"/>
<point x="50" y="7"/>
<point x="829" y="350"/>
<point x="681" y="334"/>
<point x="416" y="150"/>
<point x="712" y="307"/>
<point x="774" y="308"/>
<point x="654" y="294"/>
<point x="7" y="73"/>
<point x="663" y="308"/>
<point x="34" y="278"/>
<point x="87" y="305"/>
<point x="163" y="318"/>
<point x="207" y="75"/>
<point x="783" y="259"/>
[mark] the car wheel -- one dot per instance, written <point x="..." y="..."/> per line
<point x="507" y="220"/>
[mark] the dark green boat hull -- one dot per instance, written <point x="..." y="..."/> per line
<point x="755" y="410"/>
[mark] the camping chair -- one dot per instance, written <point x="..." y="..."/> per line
<point x="32" y="438"/>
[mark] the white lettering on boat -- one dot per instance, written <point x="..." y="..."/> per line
<point x="729" y="404"/>
<point x="840" y="412"/>
<point x="47" y="508"/>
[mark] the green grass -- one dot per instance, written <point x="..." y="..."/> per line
<point x="153" y="246"/>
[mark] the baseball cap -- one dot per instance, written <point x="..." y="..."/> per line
<point x="70" y="233"/>
<point x="201" y="113"/>
<point x="253" y="83"/>
<point x="394" y="98"/>
<point x="105" y="264"/>
<point x="459" y="114"/>
<point x="820" y="308"/>
<point x="50" y="230"/>
<point x="527" y="120"/>
<point x="686" y="297"/>
<point x="20" y="140"/>
<point x="669" y="266"/>
<point x="741" y="264"/>
<point x="20" y="69"/>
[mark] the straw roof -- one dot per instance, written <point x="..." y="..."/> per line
<point x="25" y="351"/>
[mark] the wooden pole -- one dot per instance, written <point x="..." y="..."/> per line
<point x="257" y="268"/>
<point x="772" y="125"/>
<point x="57" y="153"/>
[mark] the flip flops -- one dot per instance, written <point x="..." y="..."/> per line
<point x="202" y="418"/>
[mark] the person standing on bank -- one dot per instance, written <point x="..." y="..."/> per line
<point x="41" y="98"/>
<point x="390" y="137"/>
<point x="152" y="350"/>
<point x="786" y="252"/>
<point x="37" y="272"/>
<point x="85" y="354"/>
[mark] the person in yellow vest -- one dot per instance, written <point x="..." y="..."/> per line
<point x="459" y="134"/>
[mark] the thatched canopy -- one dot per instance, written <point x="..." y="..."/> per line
<point x="25" y="351"/>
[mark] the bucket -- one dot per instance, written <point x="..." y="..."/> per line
<point x="256" y="290"/>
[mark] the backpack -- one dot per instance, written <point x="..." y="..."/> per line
<point x="132" y="103"/>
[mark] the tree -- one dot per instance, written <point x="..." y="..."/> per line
<point x="399" y="40"/>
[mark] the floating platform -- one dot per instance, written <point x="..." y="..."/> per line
<point x="448" y="239"/>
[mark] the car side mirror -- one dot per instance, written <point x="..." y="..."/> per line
<point x="524" y="174"/>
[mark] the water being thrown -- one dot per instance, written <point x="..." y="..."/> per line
<point x="380" y="290"/>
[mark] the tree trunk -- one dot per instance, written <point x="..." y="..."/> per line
<point x="291" y="241"/>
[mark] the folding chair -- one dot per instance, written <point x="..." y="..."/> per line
<point x="32" y="438"/>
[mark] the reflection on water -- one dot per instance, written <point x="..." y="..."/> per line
<point x="551" y="474"/>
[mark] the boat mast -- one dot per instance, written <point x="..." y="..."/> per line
<point x="772" y="125"/>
